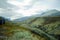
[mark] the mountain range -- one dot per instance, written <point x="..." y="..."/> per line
<point x="49" y="13"/>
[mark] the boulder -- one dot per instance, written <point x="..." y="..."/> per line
<point x="2" y="20"/>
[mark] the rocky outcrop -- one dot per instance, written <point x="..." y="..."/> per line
<point x="2" y="20"/>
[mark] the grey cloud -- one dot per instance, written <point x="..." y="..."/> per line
<point x="5" y="5"/>
<point x="8" y="9"/>
<point x="55" y="4"/>
<point x="7" y="13"/>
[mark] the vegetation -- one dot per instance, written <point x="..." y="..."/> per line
<point x="50" y="25"/>
<point x="11" y="31"/>
<point x="34" y="28"/>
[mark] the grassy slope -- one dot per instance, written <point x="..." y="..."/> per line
<point x="50" y="25"/>
<point x="17" y="32"/>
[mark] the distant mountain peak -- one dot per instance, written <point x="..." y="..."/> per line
<point x="52" y="12"/>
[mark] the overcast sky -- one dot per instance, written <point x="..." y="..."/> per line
<point x="19" y="8"/>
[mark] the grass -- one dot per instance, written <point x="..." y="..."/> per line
<point x="17" y="32"/>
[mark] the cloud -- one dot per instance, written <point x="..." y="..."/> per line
<point x="15" y="8"/>
<point x="1" y="10"/>
<point x="18" y="3"/>
<point x="28" y="7"/>
<point x="5" y="5"/>
<point x="7" y="10"/>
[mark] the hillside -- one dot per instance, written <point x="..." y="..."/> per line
<point x="11" y="31"/>
<point x="49" y="23"/>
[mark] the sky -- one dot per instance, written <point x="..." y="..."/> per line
<point x="15" y="9"/>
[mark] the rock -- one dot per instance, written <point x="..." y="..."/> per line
<point x="2" y="20"/>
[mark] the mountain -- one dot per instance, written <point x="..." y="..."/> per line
<point x="48" y="13"/>
<point x="48" y="21"/>
<point x="50" y="25"/>
<point x="21" y="19"/>
<point x="53" y="12"/>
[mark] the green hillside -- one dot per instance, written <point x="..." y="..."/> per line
<point x="11" y="31"/>
<point x="46" y="22"/>
<point x="27" y="31"/>
<point x="50" y="25"/>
